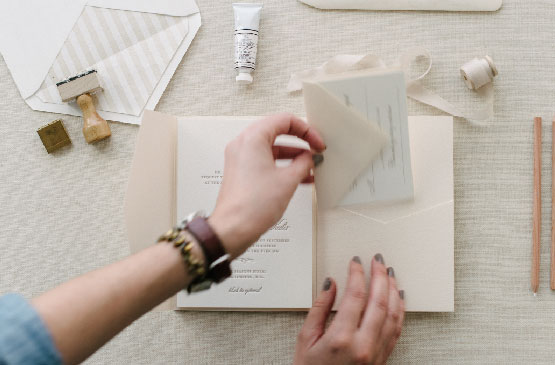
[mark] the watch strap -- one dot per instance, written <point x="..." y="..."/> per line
<point x="217" y="263"/>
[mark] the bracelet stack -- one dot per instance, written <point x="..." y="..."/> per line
<point x="195" y="230"/>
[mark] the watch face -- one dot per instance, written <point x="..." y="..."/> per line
<point x="190" y="217"/>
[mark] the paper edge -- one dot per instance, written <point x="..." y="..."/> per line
<point x="181" y="8"/>
<point x="493" y="6"/>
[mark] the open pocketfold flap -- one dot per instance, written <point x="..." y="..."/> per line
<point x="149" y="209"/>
<point x="150" y="199"/>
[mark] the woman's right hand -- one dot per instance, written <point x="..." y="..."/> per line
<point x="255" y="192"/>
<point x="366" y="326"/>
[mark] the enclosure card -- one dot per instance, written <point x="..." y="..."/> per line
<point x="381" y="98"/>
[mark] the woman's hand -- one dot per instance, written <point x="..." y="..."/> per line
<point x="254" y="192"/>
<point x="365" y="328"/>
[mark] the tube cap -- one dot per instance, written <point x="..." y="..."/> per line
<point x="244" y="78"/>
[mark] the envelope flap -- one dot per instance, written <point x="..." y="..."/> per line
<point x="166" y="7"/>
<point x="353" y="142"/>
<point x="150" y="198"/>
<point x="32" y="32"/>
<point x="31" y="40"/>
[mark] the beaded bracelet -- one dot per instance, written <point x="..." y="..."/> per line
<point x="177" y="236"/>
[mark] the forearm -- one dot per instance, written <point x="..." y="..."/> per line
<point x="88" y="311"/>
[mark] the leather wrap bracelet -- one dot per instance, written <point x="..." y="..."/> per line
<point x="216" y="258"/>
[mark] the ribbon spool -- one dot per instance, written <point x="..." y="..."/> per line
<point x="478" y="72"/>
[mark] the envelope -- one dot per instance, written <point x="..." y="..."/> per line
<point x="136" y="45"/>
<point x="440" y="5"/>
<point x="415" y="237"/>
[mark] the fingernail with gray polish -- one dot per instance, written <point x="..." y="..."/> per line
<point x="327" y="284"/>
<point x="379" y="258"/>
<point x="317" y="159"/>
<point x="390" y="272"/>
<point x="402" y="294"/>
<point x="357" y="260"/>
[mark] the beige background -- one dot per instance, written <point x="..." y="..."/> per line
<point x="62" y="215"/>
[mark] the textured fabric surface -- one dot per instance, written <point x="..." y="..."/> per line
<point x="61" y="215"/>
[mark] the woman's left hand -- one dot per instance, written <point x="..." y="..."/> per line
<point x="367" y="324"/>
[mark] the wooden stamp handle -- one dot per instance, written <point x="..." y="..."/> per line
<point x="94" y="127"/>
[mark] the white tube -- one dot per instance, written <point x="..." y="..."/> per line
<point x="247" y="22"/>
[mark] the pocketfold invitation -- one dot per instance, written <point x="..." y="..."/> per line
<point x="415" y="237"/>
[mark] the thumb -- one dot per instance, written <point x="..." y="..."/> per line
<point x="300" y="167"/>
<point x="315" y="323"/>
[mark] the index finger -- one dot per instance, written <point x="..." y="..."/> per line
<point x="286" y="123"/>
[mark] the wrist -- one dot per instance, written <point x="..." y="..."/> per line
<point x="178" y="272"/>
<point x="229" y="233"/>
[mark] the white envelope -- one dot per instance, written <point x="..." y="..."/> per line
<point x="33" y="33"/>
<point x="439" y="5"/>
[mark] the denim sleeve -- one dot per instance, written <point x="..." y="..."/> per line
<point x="24" y="338"/>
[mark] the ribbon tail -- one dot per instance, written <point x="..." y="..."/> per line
<point x="338" y="64"/>
<point x="416" y="91"/>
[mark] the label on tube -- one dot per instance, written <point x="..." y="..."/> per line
<point x="247" y="22"/>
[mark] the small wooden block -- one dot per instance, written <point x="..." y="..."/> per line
<point x="54" y="136"/>
<point x="87" y="84"/>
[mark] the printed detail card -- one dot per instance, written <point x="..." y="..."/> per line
<point x="276" y="272"/>
<point x="381" y="98"/>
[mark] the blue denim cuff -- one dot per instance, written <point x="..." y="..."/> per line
<point x="24" y="338"/>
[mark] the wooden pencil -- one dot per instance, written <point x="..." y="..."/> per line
<point x="536" y="232"/>
<point x="553" y="205"/>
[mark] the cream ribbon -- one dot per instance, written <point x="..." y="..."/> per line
<point x="477" y="73"/>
